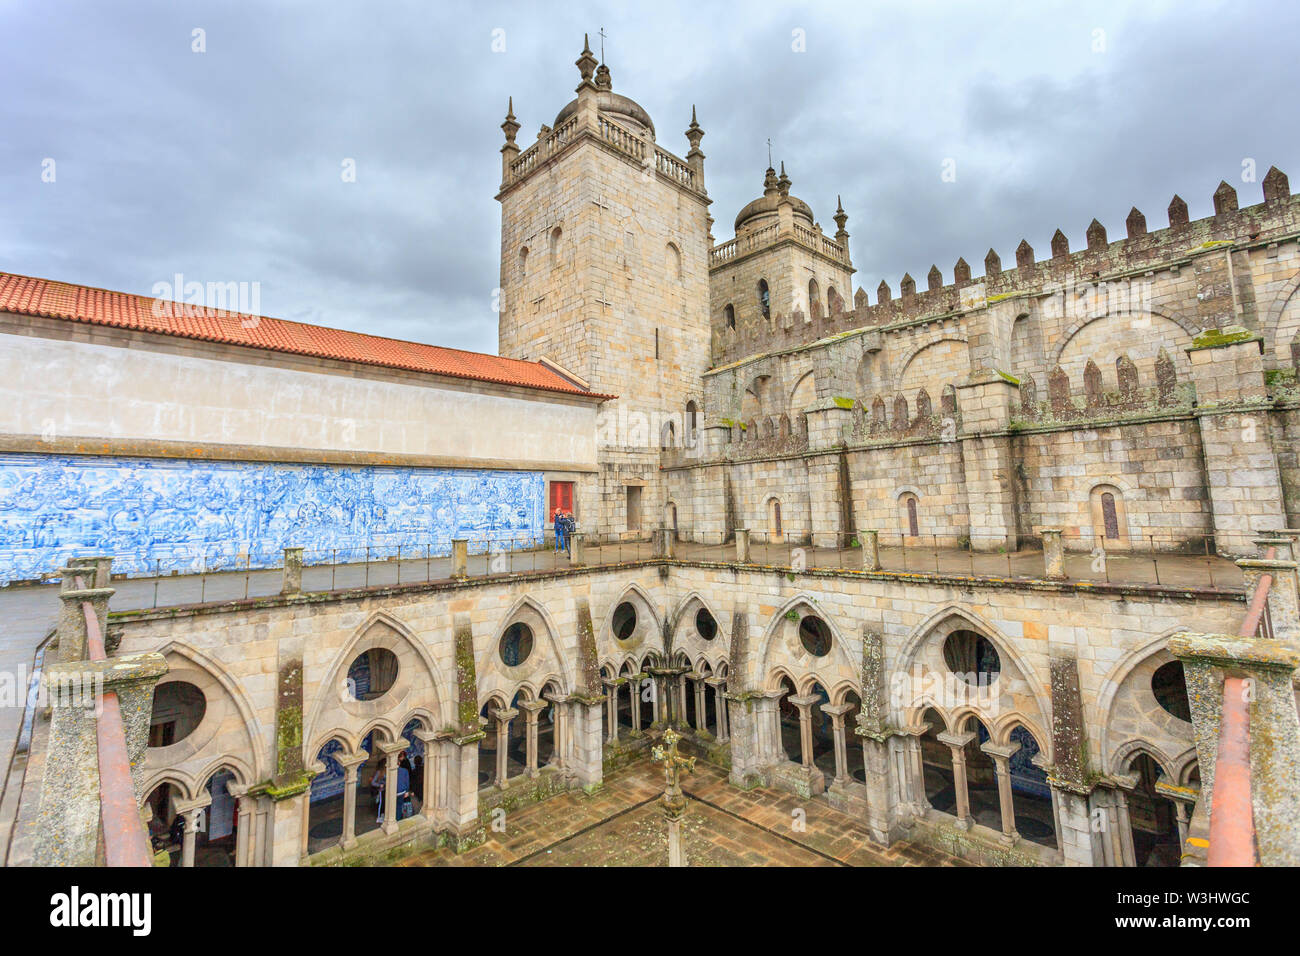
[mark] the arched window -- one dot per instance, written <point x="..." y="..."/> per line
<point x="1109" y="517"/>
<point x="814" y="300"/>
<point x="774" y="527"/>
<point x="668" y="436"/>
<point x="729" y="313"/>
<point x="692" y="422"/>
<point x="910" y="521"/>
<point x="764" y="299"/>
<point x="556" y="233"/>
<point x="523" y="261"/>
<point x="833" y="300"/>
<point x="1110" y="521"/>
<point x="674" y="258"/>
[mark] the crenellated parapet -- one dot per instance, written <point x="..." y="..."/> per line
<point x="1202" y="245"/>
<point x="1095" y="397"/>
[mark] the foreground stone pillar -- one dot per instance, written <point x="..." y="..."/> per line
<point x="870" y="542"/>
<point x="70" y="810"/>
<point x="1269" y="666"/>
<point x="1283" y="599"/>
<point x="1053" y="555"/>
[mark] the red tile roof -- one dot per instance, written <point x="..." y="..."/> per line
<point x="44" y="297"/>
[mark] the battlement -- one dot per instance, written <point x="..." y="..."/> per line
<point x="1062" y="401"/>
<point x="1275" y="219"/>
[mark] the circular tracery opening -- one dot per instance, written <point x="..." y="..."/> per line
<point x="516" y="644"/>
<point x="815" y="636"/>
<point x="624" y="622"/>
<point x="972" y="657"/>
<point x="1170" y="688"/>
<point x="372" y="673"/>
<point x="178" y="707"/>
<point x="705" y="625"/>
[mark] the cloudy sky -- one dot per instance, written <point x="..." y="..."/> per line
<point x="226" y="165"/>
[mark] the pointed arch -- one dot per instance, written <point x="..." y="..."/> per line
<point x="193" y="745"/>
<point x="524" y="603"/>
<point x="395" y="634"/>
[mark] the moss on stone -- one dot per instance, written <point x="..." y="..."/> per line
<point x="1218" y="338"/>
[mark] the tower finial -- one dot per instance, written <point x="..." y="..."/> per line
<point x="602" y="44"/>
<point x="586" y="63"/>
<point x="769" y="152"/>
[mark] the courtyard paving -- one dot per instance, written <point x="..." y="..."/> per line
<point x="622" y="825"/>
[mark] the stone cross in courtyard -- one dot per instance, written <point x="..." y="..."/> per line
<point x="673" y="802"/>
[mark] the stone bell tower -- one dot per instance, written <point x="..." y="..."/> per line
<point x="604" y="270"/>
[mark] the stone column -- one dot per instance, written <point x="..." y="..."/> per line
<point x="719" y="685"/>
<point x="351" y="765"/>
<point x="915" y="761"/>
<point x="291" y="576"/>
<point x="742" y="546"/>
<point x="503" y="716"/>
<point x="460" y="557"/>
<point x="635" y="686"/>
<point x="679" y="701"/>
<point x="434" y="801"/>
<point x="701" y="714"/>
<point x="576" y="555"/>
<point x="532" y="708"/>
<point x="560" y="756"/>
<point x="1053" y="555"/>
<point x="804" y="703"/>
<point x="190" y="812"/>
<point x="836" y="714"/>
<point x="1001" y="754"/>
<point x="391" y="752"/>
<point x="870" y="542"/>
<point x="957" y="744"/>
<point x="243" y="822"/>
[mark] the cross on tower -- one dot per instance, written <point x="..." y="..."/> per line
<point x="602" y="44"/>
<point x="769" y="151"/>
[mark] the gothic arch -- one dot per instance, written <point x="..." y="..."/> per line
<point x="380" y="629"/>
<point x="208" y="675"/>
<point x="1126" y="751"/>
<point x="531" y="612"/>
<point x="1273" y="314"/>
<point x="181" y="781"/>
<point x="1187" y="325"/>
<point x="648" y="635"/>
<point x="839" y="659"/>
<point x="1162" y="729"/>
<point x="917" y="354"/>
<point x="955" y="617"/>
<point x="723" y="639"/>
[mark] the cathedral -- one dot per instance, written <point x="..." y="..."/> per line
<point x="965" y="574"/>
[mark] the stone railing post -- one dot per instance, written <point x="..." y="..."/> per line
<point x="575" y="548"/>
<point x="1274" y="728"/>
<point x="742" y="546"/>
<point x="1283" y="599"/>
<point x="870" y="542"/>
<point x="1053" y="555"/>
<point x="291" y="577"/>
<point x="460" y="557"/>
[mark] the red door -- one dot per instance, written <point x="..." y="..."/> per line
<point x="561" y="497"/>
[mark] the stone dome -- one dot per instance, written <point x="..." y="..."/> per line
<point x="766" y="206"/>
<point x="621" y="109"/>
